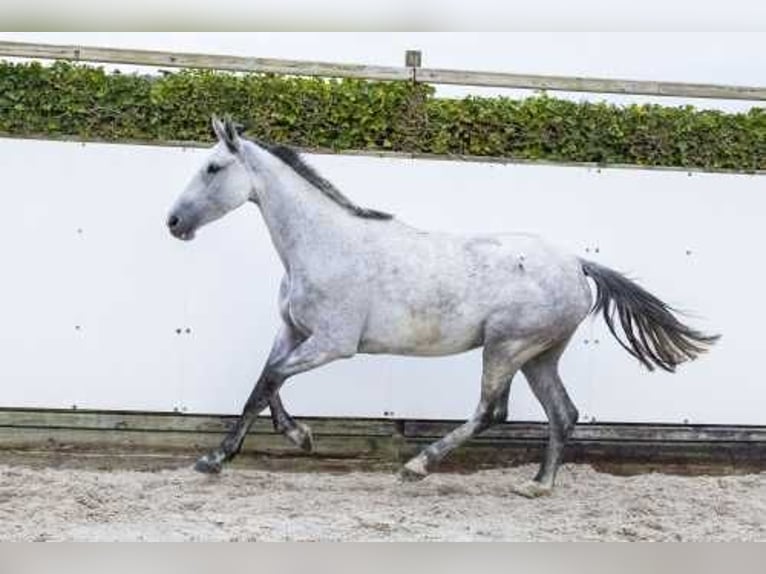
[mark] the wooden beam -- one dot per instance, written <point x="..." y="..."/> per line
<point x="176" y="422"/>
<point x="604" y="432"/>
<point x="591" y="85"/>
<point x="426" y="75"/>
<point x="201" y="61"/>
<point x="62" y="436"/>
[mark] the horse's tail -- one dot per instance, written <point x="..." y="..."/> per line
<point x="654" y="335"/>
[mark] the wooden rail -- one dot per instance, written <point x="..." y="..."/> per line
<point x="427" y="75"/>
<point x="139" y="439"/>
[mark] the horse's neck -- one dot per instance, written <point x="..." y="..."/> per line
<point x="302" y="223"/>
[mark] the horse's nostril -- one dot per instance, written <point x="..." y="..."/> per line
<point x="173" y="221"/>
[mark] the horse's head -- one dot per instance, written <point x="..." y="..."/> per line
<point x="223" y="183"/>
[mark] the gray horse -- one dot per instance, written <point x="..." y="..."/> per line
<point x="361" y="281"/>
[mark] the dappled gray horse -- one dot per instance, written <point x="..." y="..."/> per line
<point x="360" y="281"/>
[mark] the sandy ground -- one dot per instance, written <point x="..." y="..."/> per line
<point x="251" y="505"/>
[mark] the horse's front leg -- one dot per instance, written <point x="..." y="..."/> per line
<point x="309" y="354"/>
<point x="298" y="433"/>
<point x="286" y="340"/>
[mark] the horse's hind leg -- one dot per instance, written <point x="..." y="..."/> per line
<point x="500" y="409"/>
<point x="500" y="362"/>
<point x="543" y="377"/>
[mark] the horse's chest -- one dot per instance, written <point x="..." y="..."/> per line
<point x="313" y="306"/>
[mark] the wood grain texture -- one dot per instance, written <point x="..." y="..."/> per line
<point x="339" y="70"/>
<point x="149" y="440"/>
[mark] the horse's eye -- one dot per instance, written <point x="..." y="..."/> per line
<point x="213" y="168"/>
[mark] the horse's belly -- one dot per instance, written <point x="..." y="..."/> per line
<point x="418" y="335"/>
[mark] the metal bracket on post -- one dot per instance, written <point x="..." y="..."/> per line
<point x="413" y="59"/>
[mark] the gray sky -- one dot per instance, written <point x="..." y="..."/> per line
<point x="622" y="15"/>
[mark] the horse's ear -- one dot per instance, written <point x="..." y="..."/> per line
<point x="231" y="136"/>
<point x="228" y="133"/>
<point x="218" y="128"/>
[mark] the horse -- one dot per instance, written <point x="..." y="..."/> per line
<point x="358" y="280"/>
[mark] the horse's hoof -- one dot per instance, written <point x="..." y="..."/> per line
<point x="412" y="472"/>
<point x="207" y="466"/>
<point x="301" y="437"/>
<point x="307" y="443"/>
<point x="531" y="489"/>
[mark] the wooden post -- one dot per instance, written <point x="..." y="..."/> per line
<point x="413" y="60"/>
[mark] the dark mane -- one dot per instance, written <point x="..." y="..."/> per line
<point x="296" y="162"/>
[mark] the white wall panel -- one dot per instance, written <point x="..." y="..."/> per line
<point x="83" y="244"/>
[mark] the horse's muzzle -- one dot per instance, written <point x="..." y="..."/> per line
<point x="179" y="229"/>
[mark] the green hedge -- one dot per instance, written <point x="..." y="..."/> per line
<point x="87" y="102"/>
